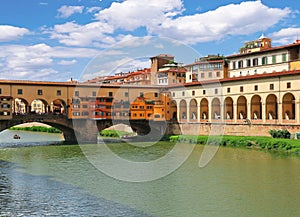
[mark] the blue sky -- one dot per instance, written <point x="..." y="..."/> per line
<point x="55" y="40"/>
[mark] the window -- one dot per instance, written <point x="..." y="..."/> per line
<point x="248" y="62"/>
<point x="173" y="94"/>
<point x="76" y="93"/>
<point x="40" y="92"/>
<point x="204" y="92"/>
<point x="183" y="93"/>
<point x="271" y="86"/>
<point x="94" y="93"/>
<point x="216" y="91"/>
<point x="256" y="87"/>
<point x="210" y="74"/>
<point x="234" y="65"/>
<point x="58" y="93"/>
<point x="5" y="106"/>
<point x="228" y="89"/>
<point x="0" y="91"/>
<point x="20" y="91"/>
<point x="241" y="89"/>
<point x="141" y="94"/>
<point x="288" y="85"/>
<point x="240" y="64"/>
<point x="202" y="75"/>
<point x="255" y="62"/>
<point x="110" y="93"/>
<point x="193" y="93"/>
<point x="155" y="94"/>
<point x="264" y="60"/>
<point x="274" y="59"/>
<point x="218" y="74"/>
<point x="284" y="57"/>
<point x="126" y="94"/>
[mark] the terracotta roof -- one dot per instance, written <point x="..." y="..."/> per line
<point x="265" y="50"/>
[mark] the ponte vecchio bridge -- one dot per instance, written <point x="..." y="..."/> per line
<point x="79" y="110"/>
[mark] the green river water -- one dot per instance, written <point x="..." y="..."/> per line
<point x="59" y="180"/>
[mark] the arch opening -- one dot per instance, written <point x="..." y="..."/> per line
<point x="204" y="109"/>
<point x="288" y="107"/>
<point x="271" y="107"/>
<point x="242" y="107"/>
<point x="256" y="108"/>
<point x="193" y="110"/>
<point x="228" y="108"/>
<point x="216" y="108"/>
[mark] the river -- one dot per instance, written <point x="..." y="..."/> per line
<point x="59" y="180"/>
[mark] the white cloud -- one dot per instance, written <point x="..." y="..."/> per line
<point x="93" y="9"/>
<point x="38" y="61"/>
<point x="286" y="35"/>
<point x="234" y="19"/>
<point x="67" y="11"/>
<point x="67" y="62"/>
<point x="132" y="14"/>
<point x="73" y="34"/>
<point x="9" y="33"/>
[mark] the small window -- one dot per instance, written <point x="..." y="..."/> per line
<point x="76" y="93"/>
<point x="183" y="93"/>
<point x="126" y="94"/>
<point x="288" y="85"/>
<point x="284" y="57"/>
<point x="218" y="74"/>
<point x="94" y="93"/>
<point x="240" y="64"/>
<point x="0" y="91"/>
<point x="274" y="59"/>
<point x="228" y="89"/>
<point x="233" y="65"/>
<point x="255" y="62"/>
<point x="58" y="93"/>
<point x="264" y="60"/>
<point x="256" y="87"/>
<point x="248" y="62"/>
<point x="216" y="91"/>
<point x="155" y="94"/>
<point x="193" y="93"/>
<point x="110" y="93"/>
<point x="173" y="94"/>
<point x="202" y="75"/>
<point x="204" y="92"/>
<point x="210" y="74"/>
<point x="241" y="89"/>
<point x="20" y="91"/>
<point x="271" y="86"/>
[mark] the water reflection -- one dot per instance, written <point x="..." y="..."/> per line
<point x="22" y="194"/>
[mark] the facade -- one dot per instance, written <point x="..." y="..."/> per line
<point x="207" y="68"/>
<point x="6" y="107"/>
<point x="261" y="57"/>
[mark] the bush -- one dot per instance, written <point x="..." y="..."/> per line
<point x="280" y="134"/>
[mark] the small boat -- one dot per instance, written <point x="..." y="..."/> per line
<point x="16" y="136"/>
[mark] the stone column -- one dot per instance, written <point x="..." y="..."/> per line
<point x="263" y="112"/>
<point x="279" y="111"/>
<point x="234" y="111"/>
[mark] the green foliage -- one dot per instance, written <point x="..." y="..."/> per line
<point x="258" y="142"/>
<point x="37" y="129"/>
<point x="280" y="134"/>
<point x="114" y="133"/>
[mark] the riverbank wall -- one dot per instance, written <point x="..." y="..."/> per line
<point x="233" y="129"/>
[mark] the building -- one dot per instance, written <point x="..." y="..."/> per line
<point x="207" y="68"/>
<point x="259" y="57"/>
